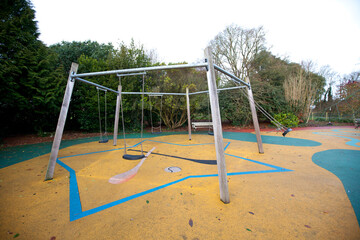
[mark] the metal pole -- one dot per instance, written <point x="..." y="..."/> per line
<point x="122" y="115"/>
<point x="61" y="123"/>
<point x="103" y="88"/>
<point x="144" y="69"/>
<point x="127" y="93"/>
<point x="255" y="118"/>
<point x="117" y="112"/>
<point x="188" y="112"/>
<point x="153" y="93"/>
<point x="130" y="74"/>
<point x="232" y="76"/>
<point x="96" y="85"/>
<point x="218" y="137"/>
<point x="219" y="89"/>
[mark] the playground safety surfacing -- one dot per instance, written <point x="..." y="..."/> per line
<point x="305" y="186"/>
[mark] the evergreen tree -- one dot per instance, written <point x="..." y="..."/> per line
<point x="18" y="48"/>
<point x="31" y="80"/>
<point x="69" y="52"/>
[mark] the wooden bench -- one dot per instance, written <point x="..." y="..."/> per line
<point x="196" y="125"/>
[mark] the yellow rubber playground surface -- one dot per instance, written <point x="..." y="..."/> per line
<point x="305" y="186"/>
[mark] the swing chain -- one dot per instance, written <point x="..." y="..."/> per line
<point x="102" y="136"/>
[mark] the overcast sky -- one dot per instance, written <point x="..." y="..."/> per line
<point x="324" y="31"/>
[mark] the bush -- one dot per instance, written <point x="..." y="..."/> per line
<point x="287" y="119"/>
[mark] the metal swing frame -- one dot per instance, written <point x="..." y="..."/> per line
<point x="214" y="103"/>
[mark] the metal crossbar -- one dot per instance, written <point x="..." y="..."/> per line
<point x="131" y="74"/>
<point x="143" y="69"/>
<point x="96" y="85"/>
<point x="149" y="93"/>
<point x="232" y="76"/>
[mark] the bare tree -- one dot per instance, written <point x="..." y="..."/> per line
<point x="331" y="78"/>
<point x="302" y="88"/>
<point x="330" y="75"/>
<point x="235" y="48"/>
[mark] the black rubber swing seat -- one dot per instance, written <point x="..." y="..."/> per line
<point x="104" y="141"/>
<point x="287" y="131"/>
<point x="211" y="133"/>
<point x="133" y="157"/>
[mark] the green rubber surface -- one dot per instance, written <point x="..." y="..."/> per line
<point x="285" y="141"/>
<point x="345" y="164"/>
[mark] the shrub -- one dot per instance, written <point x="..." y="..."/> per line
<point x="287" y="119"/>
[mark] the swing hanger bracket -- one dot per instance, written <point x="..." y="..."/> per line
<point x="102" y="89"/>
<point x="72" y="76"/>
<point x="207" y="66"/>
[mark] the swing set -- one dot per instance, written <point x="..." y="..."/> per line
<point x="213" y="106"/>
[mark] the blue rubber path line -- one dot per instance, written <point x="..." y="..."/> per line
<point x="75" y="202"/>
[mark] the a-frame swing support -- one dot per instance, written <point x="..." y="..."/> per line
<point x="61" y="122"/>
<point x="188" y="112"/>
<point x="255" y="118"/>
<point x="217" y="128"/>
<point x="117" y="113"/>
<point x="214" y="103"/>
